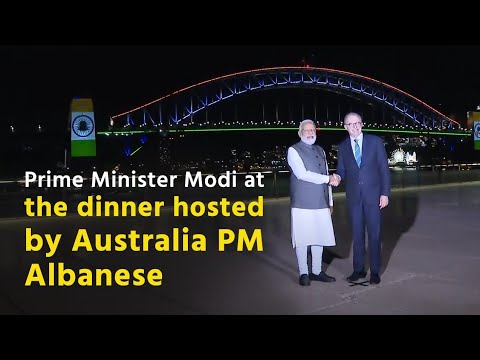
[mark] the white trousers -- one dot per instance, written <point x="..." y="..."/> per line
<point x="302" y="259"/>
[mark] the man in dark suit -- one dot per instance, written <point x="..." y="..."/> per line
<point x="363" y="165"/>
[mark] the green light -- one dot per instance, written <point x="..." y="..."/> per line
<point x="418" y="132"/>
<point x="133" y="153"/>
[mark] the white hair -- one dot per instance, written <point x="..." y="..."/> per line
<point x="302" y="125"/>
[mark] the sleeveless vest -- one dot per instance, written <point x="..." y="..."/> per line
<point x="303" y="194"/>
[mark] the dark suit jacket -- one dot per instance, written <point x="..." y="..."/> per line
<point x="372" y="179"/>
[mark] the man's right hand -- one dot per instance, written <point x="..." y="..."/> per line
<point x="334" y="180"/>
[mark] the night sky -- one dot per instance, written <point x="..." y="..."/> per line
<point x="39" y="82"/>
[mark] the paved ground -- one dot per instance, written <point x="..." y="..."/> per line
<point x="431" y="256"/>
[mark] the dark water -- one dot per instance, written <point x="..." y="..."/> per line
<point x="13" y="195"/>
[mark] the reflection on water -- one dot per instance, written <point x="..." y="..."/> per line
<point x="13" y="195"/>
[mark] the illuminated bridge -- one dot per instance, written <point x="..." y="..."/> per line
<point x="202" y="106"/>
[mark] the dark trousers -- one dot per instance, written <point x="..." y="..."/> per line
<point x="366" y="215"/>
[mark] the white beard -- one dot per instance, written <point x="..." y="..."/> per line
<point x="309" y="141"/>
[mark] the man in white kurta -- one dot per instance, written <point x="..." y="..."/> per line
<point x="311" y="220"/>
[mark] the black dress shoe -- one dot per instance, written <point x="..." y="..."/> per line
<point x="304" y="280"/>
<point x="321" y="277"/>
<point x="357" y="275"/>
<point x="374" y="279"/>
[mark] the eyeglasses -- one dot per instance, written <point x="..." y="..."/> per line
<point x="311" y="131"/>
<point x="358" y="123"/>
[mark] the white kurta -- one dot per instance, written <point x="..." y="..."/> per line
<point x="310" y="227"/>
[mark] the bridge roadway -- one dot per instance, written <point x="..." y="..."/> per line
<point x="431" y="256"/>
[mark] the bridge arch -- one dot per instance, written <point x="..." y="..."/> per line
<point x="173" y="109"/>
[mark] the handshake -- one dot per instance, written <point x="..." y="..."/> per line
<point x="334" y="180"/>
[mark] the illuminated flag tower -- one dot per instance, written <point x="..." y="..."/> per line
<point x="473" y="122"/>
<point x="476" y="134"/>
<point x="82" y="128"/>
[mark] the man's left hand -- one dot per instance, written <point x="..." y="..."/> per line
<point x="383" y="201"/>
